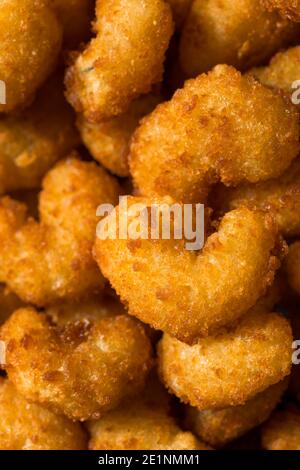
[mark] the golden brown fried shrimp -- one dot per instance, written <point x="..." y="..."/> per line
<point x="9" y="302"/>
<point x="190" y="294"/>
<point x="180" y="10"/>
<point x="287" y="8"/>
<point x="25" y="426"/>
<point x="123" y="61"/>
<point x="279" y="196"/>
<point x="52" y="259"/>
<point x="235" y="32"/>
<point x="292" y="265"/>
<point x="218" y="427"/>
<point x="142" y="424"/>
<point x="30" y="41"/>
<point x="230" y="368"/>
<point x="81" y="370"/>
<point x="32" y="141"/>
<point x="91" y="309"/>
<point x="220" y="126"/>
<point x="76" y="17"/>
<point x="108" y="141"/>
<point x="282" y="432"/>
<point x="282" y="72"/>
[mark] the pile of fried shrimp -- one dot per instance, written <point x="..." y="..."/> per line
<point x="137" y="342"/>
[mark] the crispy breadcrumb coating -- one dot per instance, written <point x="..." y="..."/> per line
<point x="287" y="8"/>
<point x="283" y="72"/>
<point x="219" y="427"/>
<point x="30" y="41"/>
<point x="186" y="293"/>
<point x="220" y="127"/>
<point x="108" y="141"/>
<point x="142" y="424"/>
<point x="91" y="309"/>
<point x="76" y="17"/>
<point x="230" y="368"/>
<point x="234" y="32"/>
<point x="81" y="370"/>
<point x="26" y="426"/>
<point x="33" y="140"/>
<point x="282" y="432"/>
<point x="52" y="259"/>
<point x="123" y="61"/>
<point x="279" y="196"/>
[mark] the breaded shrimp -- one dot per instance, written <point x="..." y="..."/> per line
<point x="33" y="140"/>
<point x="108" y="141"/>
<point x="230" y="368"/>
<point x="26" y="426"/>
<point x="282" y="432"/>
<point x="219" y="127"/>
<point x="241" y="33"/>
<point x="123" y="61"/>
<point x="30" y="42"/>
<point x="283" y="73"/>
<point x="186" y="293"/>
<point x="279" y="196"/>
<point x="219" y="427"/>
<point x="81" y="370"/>
<point x="76" y="17"/>
<point x="91" y="309"/>
<point x="52" y="259"/>
<point x="142" y="424"/>
<point x="287" y="8"/>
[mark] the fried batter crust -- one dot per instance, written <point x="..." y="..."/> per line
<point x="25" y="426"/>
<point x="287" y="8"/>
<point x="220" y="127"/>
<point x="142" y="424"/>
<point x="186" y="293"/>
<point x="219" y="427"/>
<point x="30" y="42"/>
<point x="123" y="61"/>
<point x="230" y="368"/>
<point x="282" y="432"/>
<point x="52" y="259"/>
<point x="81" y="370"/>
<point x="235" y="32"/>
<point x="33" y="140"/>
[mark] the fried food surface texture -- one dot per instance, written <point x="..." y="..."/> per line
<point x="218" y="427"/>
<point x="191" y="294"/>
<point x="108" y="141"/>
<point x="26" y="426"/>
<point x="220" y="127"/>
<point x="230" y="368"/>
<point x="123" y="61"/>
<point x="81" y="370"/>
<point x="282" y="432"/>
<point x="278" y="196"/>
<point x="33" y="140"/>
<point x="30" y="42"/>
<point x="241" y="33"/>
<point x="51" y="259"/>
<point x="287" y="8"/>
<point x="143" y="424"/>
